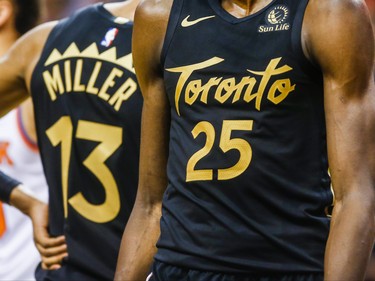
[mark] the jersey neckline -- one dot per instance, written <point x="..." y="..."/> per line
<point x="216" y="6"/>
<point x="100" y="9"/>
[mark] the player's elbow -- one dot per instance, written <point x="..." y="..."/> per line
<point x="360" y="201"/>
<point x="148" y="202"/>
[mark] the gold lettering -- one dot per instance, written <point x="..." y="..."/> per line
<point x="284" y="87"/>
<point x="212" y="82"/>
<point x="78" y="87"/>
<point x="94" y="76"/>
<point x="54" y="83"/>
<point x="109" y="83"/>
<point x="246" y="81"/>
<point x="195" y="88"/>
<point x="123" y="93"/>
<point x="68" y="76"/>
<point x="270" y="71"/>
<point x="186" y="72"/>
<point x="249" y="95"/>
<point x="228" y="86"/>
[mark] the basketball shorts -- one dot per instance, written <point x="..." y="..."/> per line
<point x="65" y="273"/>
<point x="165" y="272"/>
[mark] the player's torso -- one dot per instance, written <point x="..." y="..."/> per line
<point x="247" y="135"/>
<point x="19" y="158"/>
<point x="88" y="108"/>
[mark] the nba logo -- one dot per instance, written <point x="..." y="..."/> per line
<point x="109" y="37"/>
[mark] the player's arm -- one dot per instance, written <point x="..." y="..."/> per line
<point x="339" y="39"/>
<point x="17" y="65"/>
<point x="52" y="250"/>
<point x="142" y="230"/>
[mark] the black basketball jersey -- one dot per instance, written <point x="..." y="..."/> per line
<point x="247" y="168"/>
<point x="88" y="109"/>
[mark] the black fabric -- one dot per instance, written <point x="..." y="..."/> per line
<point x="88" y="110"/>
<point x="165" y="272"/>
<point x="7" y="185"/>
<point x="247" y="168"/>
<point x="66" y="272"/>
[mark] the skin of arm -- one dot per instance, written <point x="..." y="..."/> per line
<point x="143" y="229"/>
<point x="338" y="37"/>
<point x="16" y="68"/>
<point x="17" y="65"/>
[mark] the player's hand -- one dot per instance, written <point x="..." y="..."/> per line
<point x="52" y="249"/>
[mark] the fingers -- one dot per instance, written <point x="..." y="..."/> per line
<point x="50" y="251"/>
<point x="52" y="254"/>
<point x="53" y="263"/>
<point x="45" y="241"/>
<point x="53" y="267"/>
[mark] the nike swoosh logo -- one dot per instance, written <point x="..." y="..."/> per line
<point x="187" y="23"/>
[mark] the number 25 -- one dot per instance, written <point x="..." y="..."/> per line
<point x="226" y="144"/>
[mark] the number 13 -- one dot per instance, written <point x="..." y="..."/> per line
<point x="110" y="139"/>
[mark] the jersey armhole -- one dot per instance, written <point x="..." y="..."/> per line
<point x="297" y="37"/>
<point x="171" y="28"/>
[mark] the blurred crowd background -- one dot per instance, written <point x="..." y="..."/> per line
<point x="56" y="9"/>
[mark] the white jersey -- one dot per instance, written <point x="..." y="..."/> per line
<point x="19" y="158"/>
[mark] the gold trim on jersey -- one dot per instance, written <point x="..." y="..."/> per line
<point x="91" y="52"/>
<point x="63" y="78"/>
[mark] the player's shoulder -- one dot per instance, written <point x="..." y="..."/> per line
<point x="330" y="25"/>
<point x="332" y="20"/>
<point x="38" y="33"/>
<point x="31" y="44"/>
<point x="151" y="19"/>
<point x="44" y="29"/>
<point x="154" y="9"/>
<point x="337" y="3"/>
<point x="36" y="38"/>
<point x="341" y="10"/>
